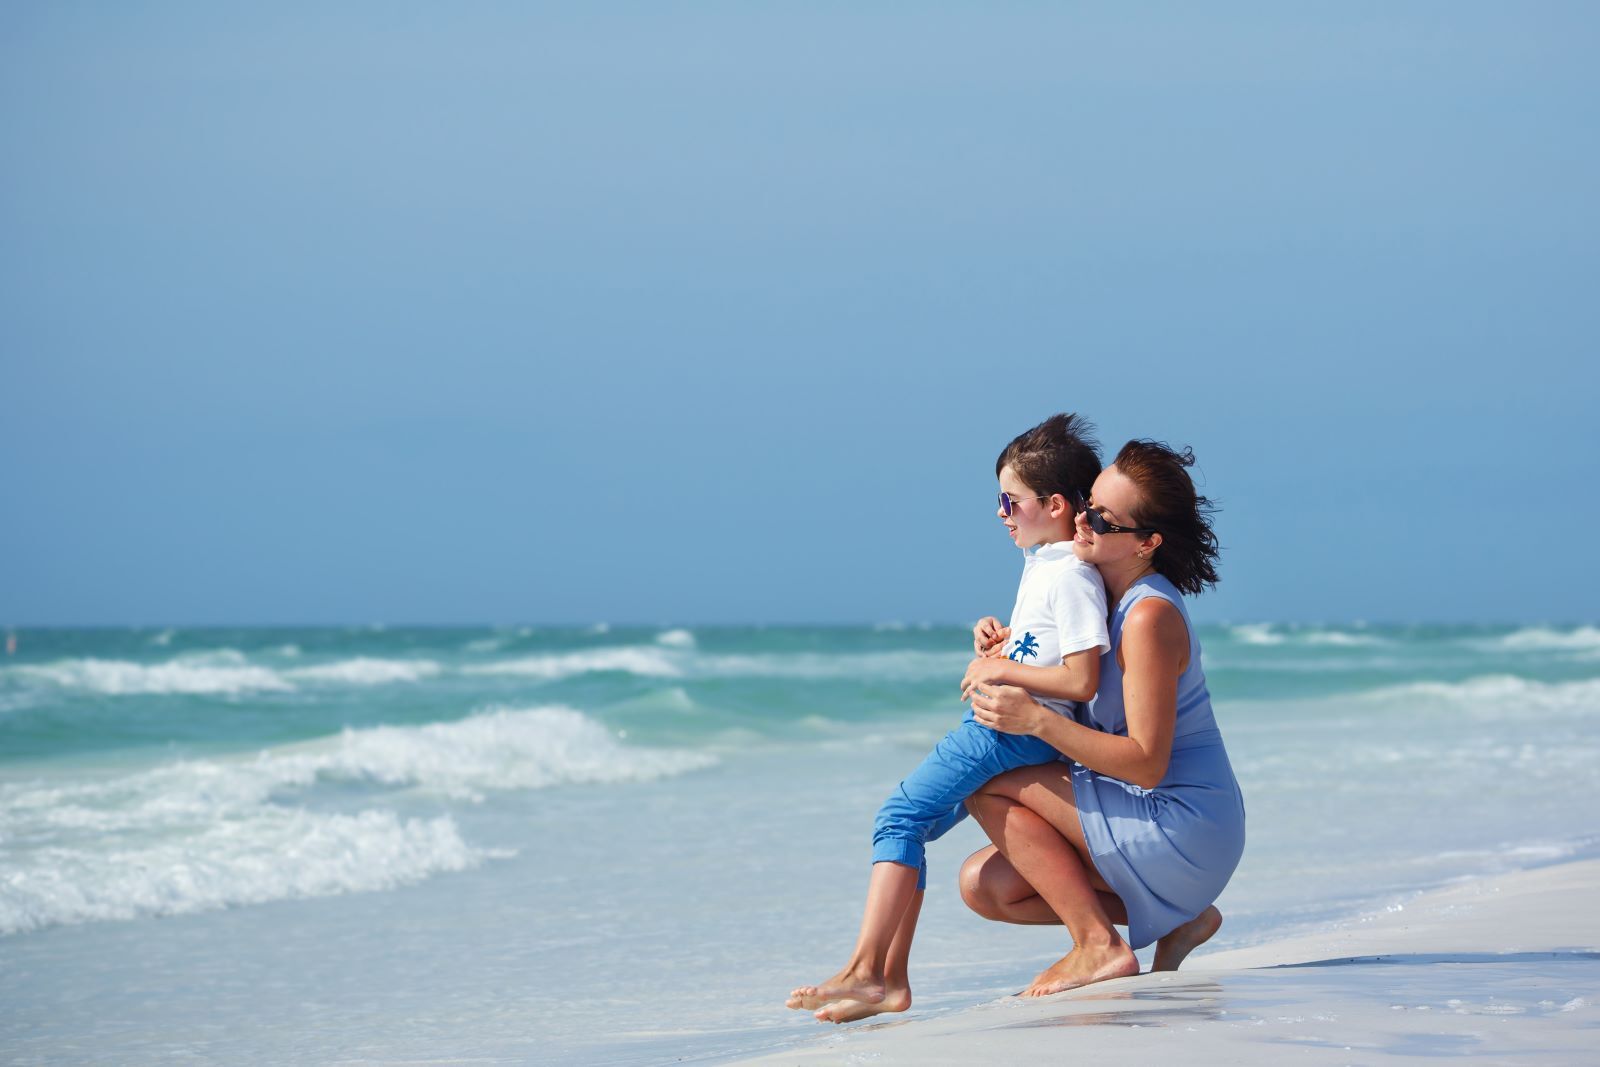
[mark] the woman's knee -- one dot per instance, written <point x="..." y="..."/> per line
<point x="978" y="890"/>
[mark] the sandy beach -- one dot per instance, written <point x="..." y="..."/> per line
<point x="1502" y="970"/>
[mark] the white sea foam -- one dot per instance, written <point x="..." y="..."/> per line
<point x="506" y="748"/>
<point x="1583" y="639"/>
<point x="365" y="671"/>
<point x="1340" y="638"/>
<point x="198" y="834"/>
<point x="1495" y="694"/>
<point x="676" y="639"/>
<point x="906" y="665"/>
<point x="1256" y="633"/>
<point x="274" y="854"/>
<point x="648" y="662"/>
<point x="1265" y="633"/>
<point x="224" y="672"/>
<point x="657" y="661"/>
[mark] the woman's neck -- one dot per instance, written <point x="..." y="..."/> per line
<point x="1120" y="578"/>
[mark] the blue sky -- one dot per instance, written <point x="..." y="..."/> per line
<point x="717" y="312"/>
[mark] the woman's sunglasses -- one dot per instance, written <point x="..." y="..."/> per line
<point x="1096" y="521"/>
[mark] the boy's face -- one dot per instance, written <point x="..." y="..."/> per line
<point x="1030" y="522"/>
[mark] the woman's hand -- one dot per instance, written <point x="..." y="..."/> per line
<point x="1008" y="709"/>
<point x="989" y="637"/>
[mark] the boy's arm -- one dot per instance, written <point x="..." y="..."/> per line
<point x="1077" y="677"/>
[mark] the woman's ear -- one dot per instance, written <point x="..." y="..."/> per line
<point x="1148" y="546"/>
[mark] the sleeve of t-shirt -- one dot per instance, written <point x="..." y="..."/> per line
<point x="1080" y="610"/>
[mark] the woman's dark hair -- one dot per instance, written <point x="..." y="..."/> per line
<point x="1060" y="455"/>
<point x="1169" y="504"/>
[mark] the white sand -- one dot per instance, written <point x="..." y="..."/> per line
<point x="1503" y="970"/>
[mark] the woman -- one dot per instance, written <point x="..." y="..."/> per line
<point x="1143" y="823"/>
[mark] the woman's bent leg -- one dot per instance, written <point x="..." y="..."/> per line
<point x="993" y="888"/>
<point x="1174" y="946"/>
<point x="1052" y="857"/>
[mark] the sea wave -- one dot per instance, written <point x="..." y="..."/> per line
<point x="676" y="639"/>
<point x="275" y="854"/>
<point x="1339" y="638"/>
<point x="499" y="749"/>
<point x="367" y="671"/>
<point x="678" y="660"/>
<point x="1266" y="633"/>
<point x="222" y="672"/>
<point x="1494" y="694"/>
<point x="506" y="748"/>
<point x="647" y="662"/>
<point x="225" y="672"/>
<point x="906" y="665"/>
<point x="1256" y="633"/>
<point x="197" y="834"/>
<point x="1582" y="639"/>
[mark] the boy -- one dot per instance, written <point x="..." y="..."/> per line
<point x="1051" y="649"/>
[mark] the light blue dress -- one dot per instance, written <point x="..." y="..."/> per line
<point x="1167" y="851"/>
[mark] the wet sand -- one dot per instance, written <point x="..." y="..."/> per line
<point x="1503" y="969"/>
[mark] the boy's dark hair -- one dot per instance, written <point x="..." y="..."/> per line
<point x="1169" y="505"/>
<point x="1060" y="455"/>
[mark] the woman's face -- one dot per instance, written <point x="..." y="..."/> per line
<point x="1114" y="497"/>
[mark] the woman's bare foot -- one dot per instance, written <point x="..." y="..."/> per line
<point x="846" y="985"/>
<point x="848" y="1011"/>
<point x="1084" y="966"/>
<point x="1171" y="950"/>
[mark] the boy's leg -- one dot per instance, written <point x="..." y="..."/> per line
<point x="893" y="898"/>
<point x="929" y="799"/>
<point x="963" y="760"/>
<point x="896" y="975"/>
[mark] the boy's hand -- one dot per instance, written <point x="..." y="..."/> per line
<point x="989" y="637"/>
<point x="984" y="671"/>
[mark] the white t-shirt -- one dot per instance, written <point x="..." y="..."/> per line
<point x="1060" y="609"/>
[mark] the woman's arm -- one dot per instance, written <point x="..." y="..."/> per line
<point x="1076" y="678"/>
<point x="1154" y="651"/>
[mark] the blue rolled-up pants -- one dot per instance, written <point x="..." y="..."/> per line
<point x="928" y="802"/>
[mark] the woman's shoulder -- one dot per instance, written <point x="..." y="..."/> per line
<point x="1155" y="619"/>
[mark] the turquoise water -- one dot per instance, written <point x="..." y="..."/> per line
<point x="493" y="839"/>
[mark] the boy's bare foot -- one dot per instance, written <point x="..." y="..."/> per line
<point x="1171" y="950"/>
<point x="846" y="985"/>
<point x="848" y="1011"/>
<point x="1084" y="966"/>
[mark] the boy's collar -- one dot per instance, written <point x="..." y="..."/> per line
<point x="1049" y="550"/>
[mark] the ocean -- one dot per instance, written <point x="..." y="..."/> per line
<point x="624" y="845"/>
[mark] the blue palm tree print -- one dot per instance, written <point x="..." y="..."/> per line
<point x="1025" y="646"/>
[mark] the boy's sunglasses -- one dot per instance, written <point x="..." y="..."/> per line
<point x="1008" y="503"/>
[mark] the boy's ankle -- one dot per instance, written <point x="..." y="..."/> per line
<point x="862" y="972"/>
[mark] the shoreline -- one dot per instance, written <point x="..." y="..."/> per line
<point x="1500" y="967"/>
